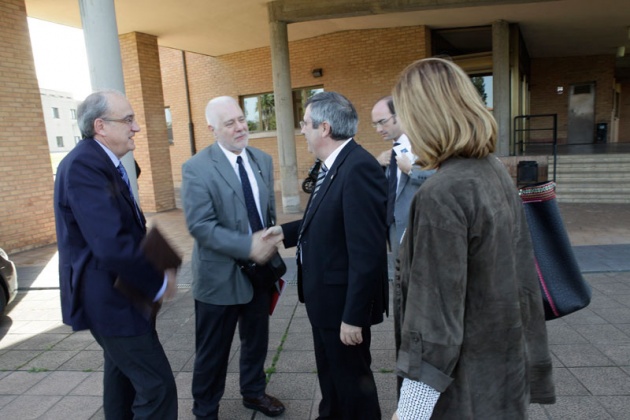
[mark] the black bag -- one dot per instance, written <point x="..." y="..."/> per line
<point x="265" y="275"/>
<point x="564" y="290"/>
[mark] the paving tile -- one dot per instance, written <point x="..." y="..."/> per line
<point x="75" y="408"/>
<point x="178" y="359"/>
<point x="292" y="386"/>
<point x="76" y="341"/>
<point x="602" y="333"/>
<point x="617" y="407"/>
<point x="562" y="333"/>
<point x="85" y="361"/>
<point x="50" y="360"/>
<point x="6" y="399"/>
<point x="604" y="380"/>
<point x="27" y="407"/>
<point x="567" y="384"/>
<point x="43" y="341"/>
<point x="574" y="355"/>
<point x="618" y="353"/>
<point x="91" y="386"/>
<point x="57" y="383"/>
<point x="15" y="359"/>
<point x="577" y="408"/>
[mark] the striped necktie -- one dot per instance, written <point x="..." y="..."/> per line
<point x="125" y="177"/>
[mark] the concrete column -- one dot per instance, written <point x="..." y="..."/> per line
<point x="98" y="18"/>
<point x="501" y="84"/>
<point x="284" y="116"/>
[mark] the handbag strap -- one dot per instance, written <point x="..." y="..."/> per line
<point x="539" y="192"/>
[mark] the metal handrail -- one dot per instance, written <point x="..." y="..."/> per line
<point x="520" y="131"/>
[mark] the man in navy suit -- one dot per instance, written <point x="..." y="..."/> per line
<point x="99" y="230"/>
<point x="342" y="258"/>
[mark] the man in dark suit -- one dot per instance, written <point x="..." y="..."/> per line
<point x="228" y="199"/>
<point x="341" y="256"/>
<point x="99" y="231"/>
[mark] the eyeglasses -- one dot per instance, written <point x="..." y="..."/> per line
<point x="303" y="124"/>
<point x="127" y="120"/>
<point x="382" y="122"/>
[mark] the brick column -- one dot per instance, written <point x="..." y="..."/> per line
<point x="143" y="87"/>
<point x="26" y="186"/>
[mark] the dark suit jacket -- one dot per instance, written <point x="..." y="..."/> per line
<point x="216" y="215"/>
<point x="98" y="236"/>
<point x="343" y="272"/>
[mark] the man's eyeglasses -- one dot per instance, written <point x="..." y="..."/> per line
<point x="303" y="124"/>
<point x="382" y="122"/>
<point x="127" y="120"/>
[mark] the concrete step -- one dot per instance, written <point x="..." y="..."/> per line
<point x="593" y="178"/>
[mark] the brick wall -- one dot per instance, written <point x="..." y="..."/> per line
<point x="362" y="65"/>
<point x="143" y="87"/>
<point x="549" y="73"/>
<point x="26" y="189"/>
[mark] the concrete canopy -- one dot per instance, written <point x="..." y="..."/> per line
<point x="551" y="28"/>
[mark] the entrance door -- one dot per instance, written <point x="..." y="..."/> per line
<point x="581" y="129"/>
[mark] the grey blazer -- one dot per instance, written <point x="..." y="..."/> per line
<point x="216" y="217"/>
<point x="407" y="187"/>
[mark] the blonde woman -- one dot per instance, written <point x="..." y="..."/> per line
<point x="474" y="342"/>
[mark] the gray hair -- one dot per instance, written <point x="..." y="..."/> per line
<point x="95" y="106"/>
<point x="213" y="104"/>
<point x="337" y="110"/>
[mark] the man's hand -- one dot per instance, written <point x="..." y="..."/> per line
<point x="274" y="233"/>
<point x="395" y="416"/>
<point x="263" y="247"/>
<point x="171" y="284"/>
<point x="350" y="335"/>
<point x="404" y="164"/>
<point x="384" y="157"/>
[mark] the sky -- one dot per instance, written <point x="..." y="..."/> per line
<point x="60" y="58"/>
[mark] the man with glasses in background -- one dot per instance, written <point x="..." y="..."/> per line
<point x="404" y="179"/>
<point x="99" y="231"/>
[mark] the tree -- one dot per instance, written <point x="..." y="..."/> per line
<point x="481" y="88"/>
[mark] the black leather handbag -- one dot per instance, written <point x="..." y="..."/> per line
<point x="265" y="275"/>
<point x="563" y="287"/>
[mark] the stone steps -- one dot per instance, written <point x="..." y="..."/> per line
<point x="596" y="178"/>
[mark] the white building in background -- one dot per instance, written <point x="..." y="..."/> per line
<point x="60" y="117"/>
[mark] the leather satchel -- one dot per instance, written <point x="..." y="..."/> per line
<point x="563" y="287"/>
<point x="265" y="275"/>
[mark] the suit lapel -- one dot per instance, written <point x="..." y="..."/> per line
<point x="226" y="171"/>
<point x="122" y="187"/>
<point x="263" y="192"/>
<point x="313" y="204"/>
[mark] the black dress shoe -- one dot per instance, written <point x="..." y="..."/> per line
<point x="266" y="404"/>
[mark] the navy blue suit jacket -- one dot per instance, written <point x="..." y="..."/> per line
<point x="98" y="236"/>
<point x="343" y="272"/>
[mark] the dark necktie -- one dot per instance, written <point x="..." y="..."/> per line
<point x="320" y="179"/>
<point x="393" y="184"/>
<point x="125" y="177"/>
<point x="252" y="212"/>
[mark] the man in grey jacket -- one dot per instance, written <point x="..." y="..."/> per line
<point x="228" y="200"/>
<point x="404" y="177"/>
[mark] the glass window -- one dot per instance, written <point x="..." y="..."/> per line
<point x="73" y="114"/>
<point x="77" y="139"/>
<point x="59" y="141"/>
<point x="260" y="110"/>
<point x="55" y="112"/>
<point x="169" y="124"/>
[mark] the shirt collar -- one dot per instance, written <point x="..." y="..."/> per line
<point x="331" y="158"/>
<point x="111" y="154"/>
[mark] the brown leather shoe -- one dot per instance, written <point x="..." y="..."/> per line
<point x="266" y="404"/>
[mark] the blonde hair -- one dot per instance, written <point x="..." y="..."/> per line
<point x="442" y="113"/>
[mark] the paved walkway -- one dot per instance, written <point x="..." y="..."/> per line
<point x="49" y="372"/>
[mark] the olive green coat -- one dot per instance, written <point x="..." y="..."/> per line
<point x="469" y="307"/>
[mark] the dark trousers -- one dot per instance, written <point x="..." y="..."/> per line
<point x="345" y="377"/>
<point x="137" y="379"/>
<point x="215" y="326"/>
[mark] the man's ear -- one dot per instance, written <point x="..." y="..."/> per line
<point x="325" y="128"/>
<point x="99" y="126"/>
<point x="211" y="128"/>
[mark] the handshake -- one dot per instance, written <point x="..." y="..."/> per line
<point x="265" y="244"/>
